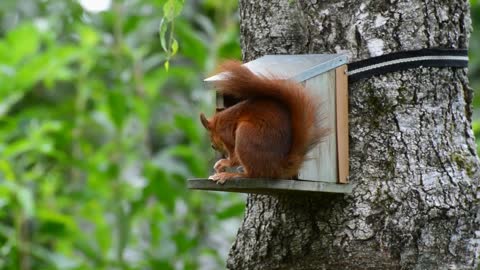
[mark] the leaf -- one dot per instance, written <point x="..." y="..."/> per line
<point x="166" y="65"/>
<point x="172" y="8"/>
<point x="117" y="105"/>
<point x="174" y="47"/>
<point x="23" y="41"/>
<point x="17" y="147"/>
<point x="6" y="170"/>
<point x="162" y="32"/>
<point x="7" y="102"/>
<point x="51" y="65"/>
<point x="55" y="223"/>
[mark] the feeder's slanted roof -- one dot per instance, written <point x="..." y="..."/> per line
<point x="294" y="67"/>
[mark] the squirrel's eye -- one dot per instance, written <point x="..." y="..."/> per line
<point x="214" y="148"/>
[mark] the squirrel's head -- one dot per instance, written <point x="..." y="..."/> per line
<point x="209" y="125"/>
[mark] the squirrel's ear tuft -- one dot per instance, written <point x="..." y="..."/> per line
<point x="205" y="122"/>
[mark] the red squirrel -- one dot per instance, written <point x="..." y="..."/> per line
<point x="268" y="132"/>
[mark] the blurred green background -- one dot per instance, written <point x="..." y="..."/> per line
<point x="99" y="129"/>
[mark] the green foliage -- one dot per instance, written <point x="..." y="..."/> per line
<point x="474" y="52"/>
<point x="99" y="131"/>
<point x="474" y="68"/>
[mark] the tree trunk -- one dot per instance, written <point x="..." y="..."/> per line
<point x="413" y="160"/>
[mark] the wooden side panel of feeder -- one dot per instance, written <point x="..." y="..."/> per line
<point x="321" y="164"/>
<point x="219" y="100"/>
<point x="342" y="124"/>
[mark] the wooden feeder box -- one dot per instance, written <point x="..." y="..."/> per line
<point x="326" y="170"/>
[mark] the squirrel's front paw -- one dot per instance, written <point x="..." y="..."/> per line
<point x="220" y="178"/>
<point x="221" y="165"/>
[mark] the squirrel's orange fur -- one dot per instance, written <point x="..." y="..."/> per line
<point x="268" y="132"/>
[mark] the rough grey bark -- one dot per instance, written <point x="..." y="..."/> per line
<point x="413" y="162"/>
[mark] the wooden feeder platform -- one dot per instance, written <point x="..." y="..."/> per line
<point x="269" y="186"/>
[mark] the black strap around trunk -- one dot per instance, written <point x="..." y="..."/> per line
<point x="406" y="60"/>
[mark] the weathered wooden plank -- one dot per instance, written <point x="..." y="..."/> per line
<point x="342" y="124"/>
<point x="322" y="160"/>
<point x="269" y="186"/>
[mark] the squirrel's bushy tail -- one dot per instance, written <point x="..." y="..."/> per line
<point x="241" y="83"/>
